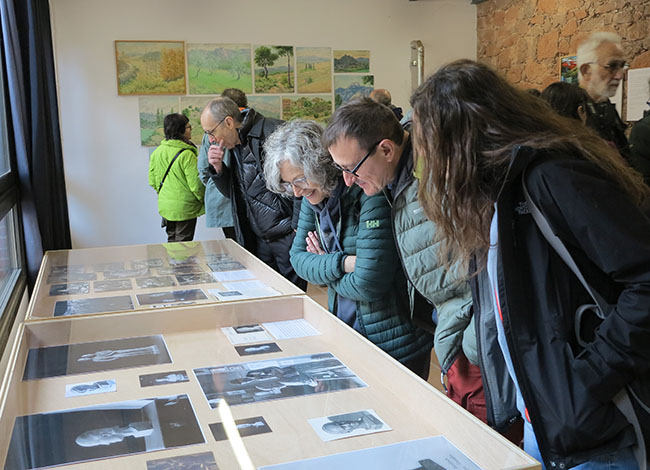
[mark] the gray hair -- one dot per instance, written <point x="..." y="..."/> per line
<point x="587" y="49"/>
<point x="299" y="143"/>
<point x="221" y="107"/>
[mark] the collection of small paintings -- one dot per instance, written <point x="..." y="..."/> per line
<point x="153" y="68"/>
<point x="569" y="69"/>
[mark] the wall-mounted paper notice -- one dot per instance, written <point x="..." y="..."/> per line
<point x="638" y="93"/>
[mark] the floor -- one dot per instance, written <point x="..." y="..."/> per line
<point x="319" y="294"/>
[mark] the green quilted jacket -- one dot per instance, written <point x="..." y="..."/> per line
<point x="181" y="197"/>
<point x="377" y="284"/>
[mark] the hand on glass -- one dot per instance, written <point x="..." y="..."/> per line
<point x="215" y="156"/>
<point x="313" y="244"/>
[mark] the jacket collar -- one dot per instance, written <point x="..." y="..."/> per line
<point x="404" y="172"/>
<point x="252" y="124"/>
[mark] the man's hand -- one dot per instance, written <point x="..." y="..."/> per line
<point x="313" y="244"/>
<point x="349" y="263"/>
<point x="215" y="156"/>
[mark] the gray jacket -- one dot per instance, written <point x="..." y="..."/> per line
<point x="218" y="212"/>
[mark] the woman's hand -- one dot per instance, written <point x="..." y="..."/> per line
<point x="313" y="244"/>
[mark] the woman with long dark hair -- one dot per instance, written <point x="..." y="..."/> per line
<point x="482" y="144"/>
<point x="174" y="175"/>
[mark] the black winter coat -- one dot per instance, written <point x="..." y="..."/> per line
<point x="568" y="390"/>
<point x="640" y="146"/>
<point x="257" y="212"/>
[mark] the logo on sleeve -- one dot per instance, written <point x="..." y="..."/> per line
<point x="372" y="224"/>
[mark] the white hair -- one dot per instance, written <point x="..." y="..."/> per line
<point x="587" y="49"/>
<point x="299" y="143"/>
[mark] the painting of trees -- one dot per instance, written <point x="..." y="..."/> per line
<point x="212" y="68"/>
<point x="150" y="67"/>
<point x="314" y="69"/>
<point x="172" y="64"/>
<point x="272" y="75"/>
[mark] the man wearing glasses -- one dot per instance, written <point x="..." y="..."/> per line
<point x="372" y="150"/>
<point x="601" y="68"/>
<point x="263" y="220"/>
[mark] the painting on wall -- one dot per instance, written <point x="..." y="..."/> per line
<point x="569" y="69"/>
<point x="351" y="61"/>
<point x="150" y="67"/>
<point x="211" y="68"/>
<point x="274" y="69"/>
<point x="192" y="106"/>
<point x="152" y="112"/>
<point x="349" y="87"/>
<point x="269" y="106"/>
<point x="314" y="69"/>
<point x="317" y="108"/>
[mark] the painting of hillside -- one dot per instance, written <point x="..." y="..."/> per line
<point x="274" y="67"/>
<point x="152" y="112"/>
<point x="314" y="69"/>
<point x="318" y="108"/>
<point x="211" y="68"/>
<point x="351" y="61"/>
<point x="269" y="106"/>
<point x="150" y="68"/>
<point x="349" y="87"/>
<point x="192" y="107"/>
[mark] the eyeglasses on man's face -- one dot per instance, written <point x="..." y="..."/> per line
<point x="299" y="183"/>
<point x="211" y="133"/>
<point x="614" y="66"/>
<point x="354" y="170"/>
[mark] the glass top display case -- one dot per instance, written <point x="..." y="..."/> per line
<point x="276" y="384"/>
<point x="126" y="278"/>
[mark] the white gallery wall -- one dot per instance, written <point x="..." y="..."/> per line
<point x="109" y="199"/>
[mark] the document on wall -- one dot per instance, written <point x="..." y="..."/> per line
<point x="638" y="93"/>
<point x="291" y="329"/>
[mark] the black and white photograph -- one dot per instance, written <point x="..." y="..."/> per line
<point x="184" y="269"/>
<point x="163" y="378"/>
<point x="202" y="278"/>
<point x="97" y="356"/>
<point x="126" y="273"/>
<point x="66" y="269"/>
<point x="147" y="263"/>
<point x="226" y="266"/>
<point x="245" y="334"/>
<point x="216" y="257"/>
<point x="154" y="281"/>
<point x="90" y="388"/>
<point x="432" y="453"/>
<point x="108" y="266"/>
<point x="69" y="289"/>
<point x="252" y="349"/>
<point x="102" y="431"/>
<point x="171" y="297"/>
<point x="184" y="261"/>
<point x="245" y="427"/>
<point x="259" y="381"/>
<point x="70" y="277"/>
<point x="241" y="329"/>
<point x="65" y="308"/>
<point x="201" y="461"/>
<point x="345" y="425"/>
<point x="112" y="285"/>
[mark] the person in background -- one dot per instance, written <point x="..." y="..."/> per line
<point x="640" y="143"/>
<point x="567" y="100"/>
<point x="480" y="140"/>
<point x="345" y="241"/>
<point x="173" y="174"/>
<point x="263" y="220"/>
<point x="381" y="95"/>
<point x="218" y="208"/>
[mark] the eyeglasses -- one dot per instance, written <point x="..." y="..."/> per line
<point x="211" y="133"/>
<point x="300" y="183"/>
<point x="354" y="170"/>
<point x="614" y="66"/>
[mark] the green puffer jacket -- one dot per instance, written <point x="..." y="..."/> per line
<point x="377" y="283"/>
<point x="452" y="296"/>
<point x="181" y="197"/>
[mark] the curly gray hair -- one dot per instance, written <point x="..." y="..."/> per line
<point x="299" y="143"/>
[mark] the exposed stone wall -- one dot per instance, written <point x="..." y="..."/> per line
<point x="526" y="38"/>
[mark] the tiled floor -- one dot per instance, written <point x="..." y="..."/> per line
<point x="319" y="294"/>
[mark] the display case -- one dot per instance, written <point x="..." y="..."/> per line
<point x="277" y="383"/>
<point x="126" y="278"/>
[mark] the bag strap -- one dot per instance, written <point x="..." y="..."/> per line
<point x="169" y="168"/>
<point x="622" y="399"/>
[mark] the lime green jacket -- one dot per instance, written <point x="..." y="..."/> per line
<point x="181" y="197"/>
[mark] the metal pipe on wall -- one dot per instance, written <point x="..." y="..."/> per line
<point x="417" y="61"/>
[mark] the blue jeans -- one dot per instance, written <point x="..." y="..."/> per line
<point x="621" y="459"/>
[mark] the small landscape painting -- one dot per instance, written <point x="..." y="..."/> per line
<point x="274" y="67"/>
<point x="351" y="61"/>
<point x="150" y="67"/>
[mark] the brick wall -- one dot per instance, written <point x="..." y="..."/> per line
<point x="526" y="38"/>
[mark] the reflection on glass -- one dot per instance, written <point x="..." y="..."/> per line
<point x="4" y="148"/>
<point x="8" y="255"/>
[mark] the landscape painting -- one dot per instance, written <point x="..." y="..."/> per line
<point x="314" y="69"/>
<point x="152" y="113"/>
<point x="269" y="106"/>
<point x="351" y="61"/>
<point x="150" y="67"/>
<point x="569" y="69"/>
<point x="192" y="106"/>
<point x="274" y="69"/>
<point x="317" y="108"/>
<point x="211" y="68"/>
<point x="349" y="87"/>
